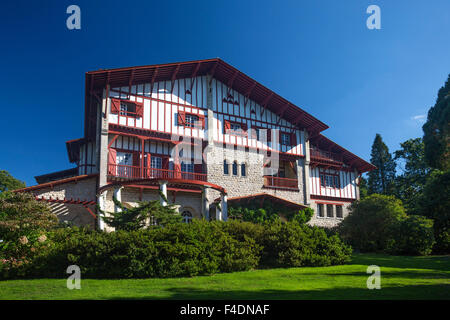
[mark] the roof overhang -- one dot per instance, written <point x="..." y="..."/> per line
<point x="349" y="158"/>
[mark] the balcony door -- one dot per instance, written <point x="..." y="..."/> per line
<point x="124" y="161"/>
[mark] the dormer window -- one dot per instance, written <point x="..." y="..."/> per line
<point x="127" y="108"/>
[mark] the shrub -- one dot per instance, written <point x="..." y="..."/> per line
<point x="413" y="236"/>
<point x="295" y="245"/>
<point x="368" y="226"/>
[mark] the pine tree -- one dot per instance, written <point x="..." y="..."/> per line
<point x="145" y="214"/>
<point x="437" y="131"/>
<point x="381" y="180"/>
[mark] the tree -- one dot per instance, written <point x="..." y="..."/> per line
<point x="368" y="226"/>
<point x="437" y="131"/>
<point x="415" y="171"/>
<point x="381" y="180"/>
<point x="8" y="182"/>
<point x="145" y="214"/>
<point x="435" y="204"/>
<point x="363" y="189"/>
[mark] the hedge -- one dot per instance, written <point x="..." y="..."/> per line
<point x="197" y="248"/>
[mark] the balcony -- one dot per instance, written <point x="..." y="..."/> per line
<point x="280" y="183"/>
<point x="119" y="171"/>
<point x="325" y="156"/>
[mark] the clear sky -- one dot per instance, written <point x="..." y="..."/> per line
<point x="317" y="54"/>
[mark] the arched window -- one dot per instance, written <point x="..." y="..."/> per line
<point x="243" y="170"/>
<point x="187" y="216"/>
<point x="226" y="169"/>
<point x="235" y="168"/>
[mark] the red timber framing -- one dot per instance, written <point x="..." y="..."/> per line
<point x="96" y="81"/>
<point x="84" y="203"/>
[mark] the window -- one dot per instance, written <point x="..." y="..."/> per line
<point x="243" y="170"/>
<point x="156" y="162"/>
<point x="331" y="181"/>
<point x="127" y="109"/>
<point x="187" y="167"/>
<point x="285" y="139"/>
<point x="191" y="120"/>
<point x="187" y="216"/>
<point x="339" y="212"/>
<point x="320" y="210"/>
<point x="226" y="169"/>
<point x="336" y="182"/>
<point x="235" y="168"/>
<point x="329" y="210"/>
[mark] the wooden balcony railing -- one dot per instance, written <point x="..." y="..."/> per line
<point x="276" y="182"/>
<point x="325" y="155"/>
<point x="132" y="172"/>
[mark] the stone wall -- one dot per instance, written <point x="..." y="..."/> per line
<point x="253" y="182"/>
<point x="326" y="221"/>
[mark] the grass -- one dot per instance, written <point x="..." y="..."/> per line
<point x="401" y="278"/>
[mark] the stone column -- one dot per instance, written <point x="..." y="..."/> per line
<point x="101" y="204"/>
<point x="357" y="195"/>
<point x="163" y="189"/>
<point x="102" y="140"/>
<point x="118" y="196"/>
<point x="218" y="214"/>
<point x="224" y="205"/>
<point x="205" y="203"/>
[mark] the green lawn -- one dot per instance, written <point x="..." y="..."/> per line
<point x="401" y="278"/>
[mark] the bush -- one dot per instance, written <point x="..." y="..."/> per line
<point x="368" y="227"/>
<point x="413" y="236"/>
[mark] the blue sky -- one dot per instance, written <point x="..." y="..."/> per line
<point x="318" y="54"/>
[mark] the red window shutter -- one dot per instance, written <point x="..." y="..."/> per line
<point x="226" y="126"/>
<point x="112" y="156"/>
<point x="294" y="138"/>
<point x="198" y="168"/>
<point x="149" y="163"/>
<point x="181" y="118"/>
<point x="165" y="163"/>
<point x="139" y="110"/>
<point x="136" y="159"/>
<point x="115" y="105"/>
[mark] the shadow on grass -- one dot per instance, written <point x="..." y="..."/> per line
<point x="413" y="292"/>
<point x="441" y="263"/>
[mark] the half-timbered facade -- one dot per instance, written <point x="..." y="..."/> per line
<point x="197" y="134"/>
